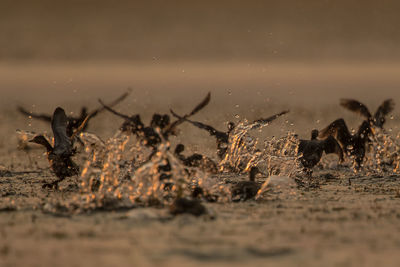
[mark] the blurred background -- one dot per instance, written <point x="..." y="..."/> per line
<point x="256" y="56"/>
<point x="178" y="30"/>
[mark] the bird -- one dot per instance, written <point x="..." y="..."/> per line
<point x="311" y="150"/>
<point x="195" y="160"/>
<point x="59" y="155"/>
<point x="353" y="145"/>
<point x="378" y="119"/>
<point x="73" y="122"/>
<point x="160" y="124"/>
<point x="245" y="190"/>
<point x="222" y="138"/>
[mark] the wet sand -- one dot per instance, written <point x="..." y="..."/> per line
<point x="337" y="224"/>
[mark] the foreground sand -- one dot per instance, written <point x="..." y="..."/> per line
<point x="337" y="224"/>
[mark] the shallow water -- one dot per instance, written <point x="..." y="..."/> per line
<point x="332" y="219"/>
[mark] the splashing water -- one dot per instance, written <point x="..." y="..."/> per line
<point x="240" y="150"/>
<point x="119" y="173"/>
<point x="383" y="155"/>
<point x="100" y="177"/>
<point x="279" y="156"/>
<point x="112" y="177"/>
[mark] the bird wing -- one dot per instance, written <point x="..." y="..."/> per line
<point x="126" y="117"/>
<point x="332" y="146"/>
<point x="262" y="122"/>
<point x="62" y="143"/>
<point x="385" y="108"/>
<point x="181" y="119"/>
<point x="208" y="128"/>
<point x="356" y="106"/>
<point x="43" y="117"/>
<point x="338" y="129"/>
<point x="112" y="104"/>
<point x="201" y="105"/>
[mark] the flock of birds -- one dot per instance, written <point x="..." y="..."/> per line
<point x="335" y="138"/>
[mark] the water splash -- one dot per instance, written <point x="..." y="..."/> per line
<point x="122" y="173"/>
<point x="383" y="154"/>
<point x="279" y="156"/>
<point x="112" y="176"/>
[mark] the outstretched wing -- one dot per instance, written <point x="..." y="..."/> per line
<point x="332" y="146"/>
<point x="62" y="143"/>
<point x="338" y="129"/>
<point x="384" y="109"/>
<point x="262" y="122"/>
<point x="356" y="106"/>
<point x="112" y="104"/>
<point x="181" y="119"/>
<point x="126" y="117"/>
<point x="200" y="125"/>
<point x="43" y="117"/>
<point x="200" y="106"/>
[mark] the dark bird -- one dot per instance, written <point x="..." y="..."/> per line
<point x="245" y="190"/>
<point x="222" y="138"/>
<point x="353" y="145"/>
<point x="196" y="160"/>
<point x="186" y="205"/>
<point x="149" y="135"/>
<point x="378" y="119"/>
<point x="313" y="149"/>
<point x="60" y="154"/>
<point x="73" y="122"/>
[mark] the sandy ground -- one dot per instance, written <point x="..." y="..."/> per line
<point x="337" y="224"/>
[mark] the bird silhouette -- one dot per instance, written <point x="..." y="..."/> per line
<point x="73" y="122"/>
<point x="59" y="155"/>
<point x="149" y="135"/>
<point x="378" y="119"/>
<point x="311" y="150"/>
<point x="353" y="145"/>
